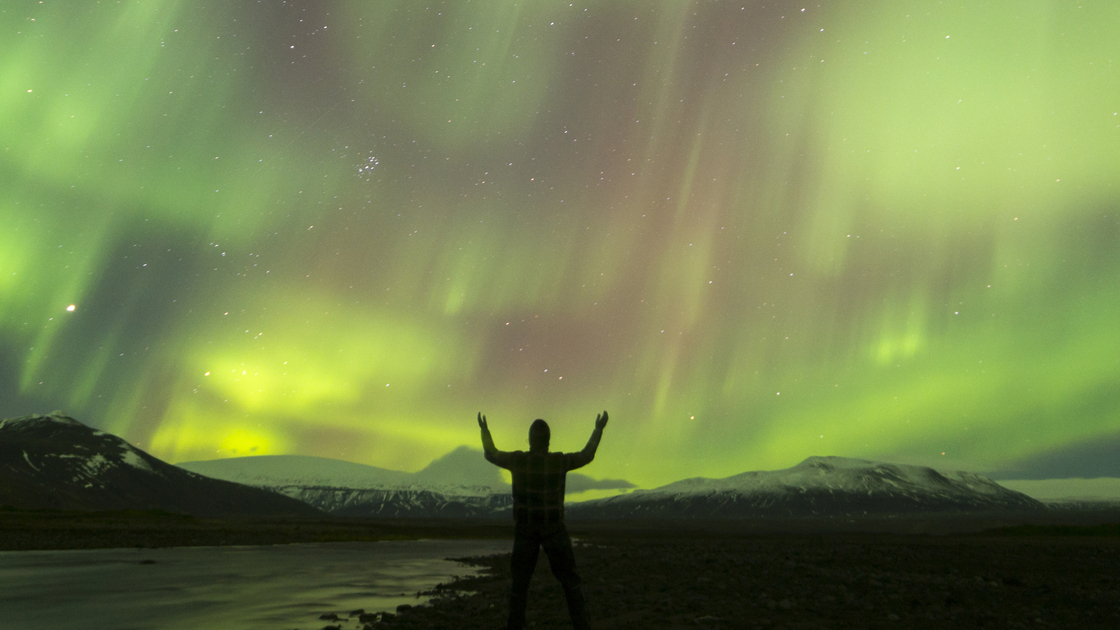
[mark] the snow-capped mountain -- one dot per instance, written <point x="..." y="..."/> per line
<point x="412" y="502"/>
<point x="297" y="470"/>
<point x="818" y="486"/>
<point x="459" y="484"/>
<point x="54" y="461"/>
<point x="462" y="472"/>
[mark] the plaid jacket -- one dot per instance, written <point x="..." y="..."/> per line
<point x="538" y="478"/>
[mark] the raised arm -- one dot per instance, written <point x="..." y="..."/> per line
<point x="585" y="456"/>
<point x="493" y="455"/>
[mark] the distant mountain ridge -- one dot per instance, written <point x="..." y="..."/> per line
<point x="461" y="484"/>
<point x="463" y="471"/>
<point x="54" y="461"/>
<point x="411" y="502"/>
<point x="817" y="487"/>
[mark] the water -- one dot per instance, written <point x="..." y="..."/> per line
<point x="228" y="588"/>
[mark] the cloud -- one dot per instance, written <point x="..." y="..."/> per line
<point x="1099" y="457"/>
<point x="580" y="483"/>
<point x="1100" y="489"/>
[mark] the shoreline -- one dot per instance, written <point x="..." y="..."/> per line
<point x="232" y="587"/>
<point x="955" y="571"/>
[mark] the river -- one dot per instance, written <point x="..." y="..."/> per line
<point x="228" y="588"/>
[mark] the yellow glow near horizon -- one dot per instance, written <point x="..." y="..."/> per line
<point x="737" y="228"/>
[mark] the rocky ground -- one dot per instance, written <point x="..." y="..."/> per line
<point x="822" y="581"/>
<point x="1056" y="572"/>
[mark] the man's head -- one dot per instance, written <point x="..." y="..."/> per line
<point x="539" y="435"/>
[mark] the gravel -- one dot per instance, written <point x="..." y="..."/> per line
<point x="827" y="581"/>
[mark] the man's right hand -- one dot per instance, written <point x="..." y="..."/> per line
<point x="601" y="420"/>
<point x="482" y="422"/>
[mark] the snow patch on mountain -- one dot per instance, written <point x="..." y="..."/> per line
<point x="132" y="458"/>
<point x="840" y="474"/>
<point x="35" y="420"/>
<point x="459" y="484"/>
<point x="96" y="464"/>
<point x="54" y="461"/>
<point x="27" y="459"/>
<point x="415" y="502"/>
<point x="818" y="486"/>
<point x="114" y="451"/>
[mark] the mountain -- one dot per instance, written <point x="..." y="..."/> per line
<point x="463" y="466"/>
<point x="413" y="502"/>
<point x="817" y="487"/>
<point x="460" y="484"/>
<point x="56" y="462"/>
<point x="297" y="470"/>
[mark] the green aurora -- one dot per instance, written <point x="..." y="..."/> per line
<point x="752" y="231"/>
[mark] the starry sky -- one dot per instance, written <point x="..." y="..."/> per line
<point x="752" y="231"/>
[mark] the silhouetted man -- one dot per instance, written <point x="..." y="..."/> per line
<point x="538" y="514"/>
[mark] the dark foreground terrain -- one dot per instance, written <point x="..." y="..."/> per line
<point x="825" y="581"/>
<point x="22" y="530"/>
<point x="950" y="572"/>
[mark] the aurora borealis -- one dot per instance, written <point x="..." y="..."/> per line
<point x="752" y="231"/>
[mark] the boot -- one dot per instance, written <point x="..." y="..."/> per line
<point x="577" y="608"/>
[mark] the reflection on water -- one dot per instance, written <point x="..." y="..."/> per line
<point x="231" y="588"/>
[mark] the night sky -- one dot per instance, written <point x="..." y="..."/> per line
<point x="751" y="231"/>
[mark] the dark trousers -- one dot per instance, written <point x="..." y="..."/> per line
<point x="527" y="541"/>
